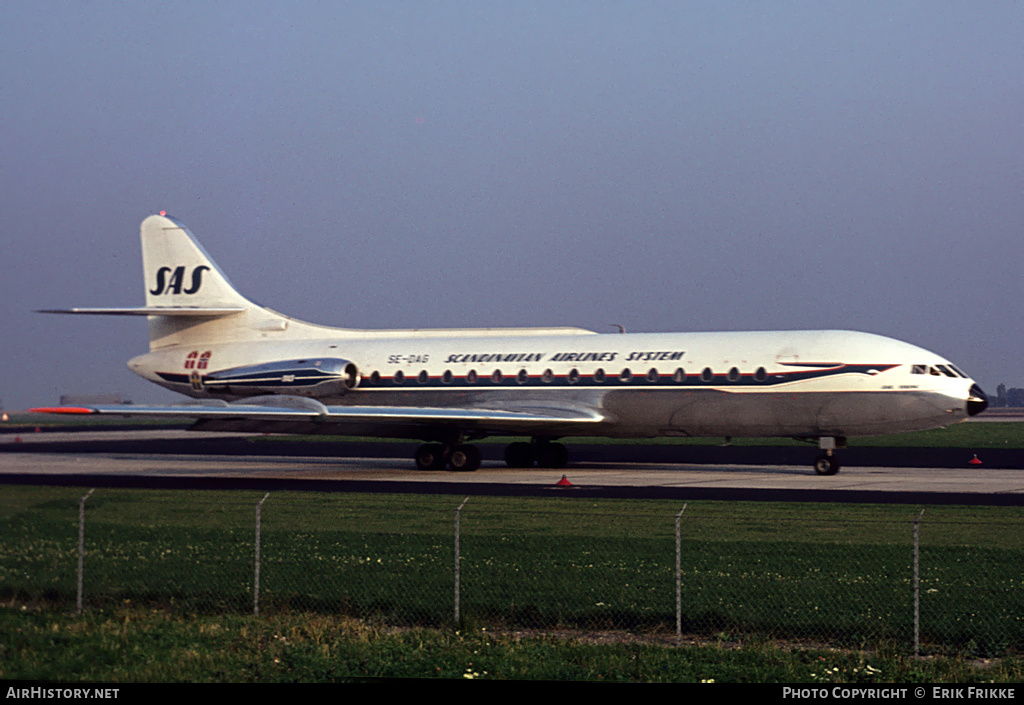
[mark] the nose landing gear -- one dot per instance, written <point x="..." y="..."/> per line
<point x="828" y="462"/>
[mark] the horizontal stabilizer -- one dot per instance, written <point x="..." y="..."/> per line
<point x="194" y="311"/>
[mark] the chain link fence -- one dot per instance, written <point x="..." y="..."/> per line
<point x="942" y="580"/>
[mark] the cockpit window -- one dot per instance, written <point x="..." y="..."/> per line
<point x="937" y="370"/>
<point x="958" y="371"/>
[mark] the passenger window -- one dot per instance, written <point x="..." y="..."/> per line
<point x="398" y="377"/>
<point x="761" y="375"/>
<point x="679" y="376"/>
<point x="574" y="376"/>
<point x="625" y="375"/>
<point x="734" y="375"/>
<point x="375" y="377"/>
<point x="471" y="377"/>
<point x="547" y="377"/>
<point x="599" y="375"/>
<point x="707" y="375"/>
<point x="496" y="377"/>
<point x="447" y="377"/>
<point x="652" y="375"/>
<point x="522" y="377"/>
<point x="423" y="377"/>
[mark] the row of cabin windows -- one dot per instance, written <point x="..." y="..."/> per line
<point x="949" y="370"/>
<point x="599" y="376"/>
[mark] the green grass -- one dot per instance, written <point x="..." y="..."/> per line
<point x="988" y="434"/>
<point x="133" y="645"/>
<point x="818" y="573"/>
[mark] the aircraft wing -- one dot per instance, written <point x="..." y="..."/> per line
<point x="284" y="414"/>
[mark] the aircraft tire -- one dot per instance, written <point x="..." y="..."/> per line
<point x="464" y="458"/>
<point x="519" y="455"/>
<point x="552" y="455"/>
<point x="430" y="456"/>
<point x="826" y="465"/>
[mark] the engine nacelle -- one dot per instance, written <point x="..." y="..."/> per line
<point x="312" y="377"/>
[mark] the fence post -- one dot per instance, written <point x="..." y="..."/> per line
<point x="679" y="578"/>
<point x="457" y="511"/>
<point x="917" y="587"/>
<point x="256" y="577"/>
<point x="81" y="548"/>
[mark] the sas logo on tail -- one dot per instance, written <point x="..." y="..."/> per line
<point x="174" y="284"/>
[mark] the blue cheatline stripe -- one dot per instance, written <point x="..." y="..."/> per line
<point x="613" y="379"/>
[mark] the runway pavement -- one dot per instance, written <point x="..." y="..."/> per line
<point x="186" y="460"/>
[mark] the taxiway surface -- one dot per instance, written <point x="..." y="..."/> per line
<point x="149" y="459"/>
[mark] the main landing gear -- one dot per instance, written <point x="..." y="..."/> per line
<point x="462" y="457"/>
<point x="465" y="457"/>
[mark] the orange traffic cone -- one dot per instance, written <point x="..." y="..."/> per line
<point x="564" y="482"/>
<point x="974" y="460"/>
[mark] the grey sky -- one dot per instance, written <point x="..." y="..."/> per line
<point x="664" y="165"/>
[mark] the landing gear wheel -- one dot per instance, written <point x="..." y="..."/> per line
<point x="464" y="458"/>
<point x="430" y="456"/>
<point x="519" y="455"/>
<point x="551" y="455"/>
<point x="826" y="464"/>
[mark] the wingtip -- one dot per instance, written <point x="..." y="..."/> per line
<point x="62" y="410"/>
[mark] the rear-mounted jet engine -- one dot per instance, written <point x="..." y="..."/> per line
<point x="314" y="377"/>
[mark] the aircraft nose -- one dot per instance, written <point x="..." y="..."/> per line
<point x="977" y="402"/>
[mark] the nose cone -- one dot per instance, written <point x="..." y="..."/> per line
<point x="977" y="402"/>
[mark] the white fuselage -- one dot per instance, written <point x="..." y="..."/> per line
<point x="792" y="383"/>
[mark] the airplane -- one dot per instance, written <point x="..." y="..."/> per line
<point x="253" y="369"/>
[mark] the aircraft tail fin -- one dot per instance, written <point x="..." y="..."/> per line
<point x="188" y="298"/>
<point x="179" y="273"/>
